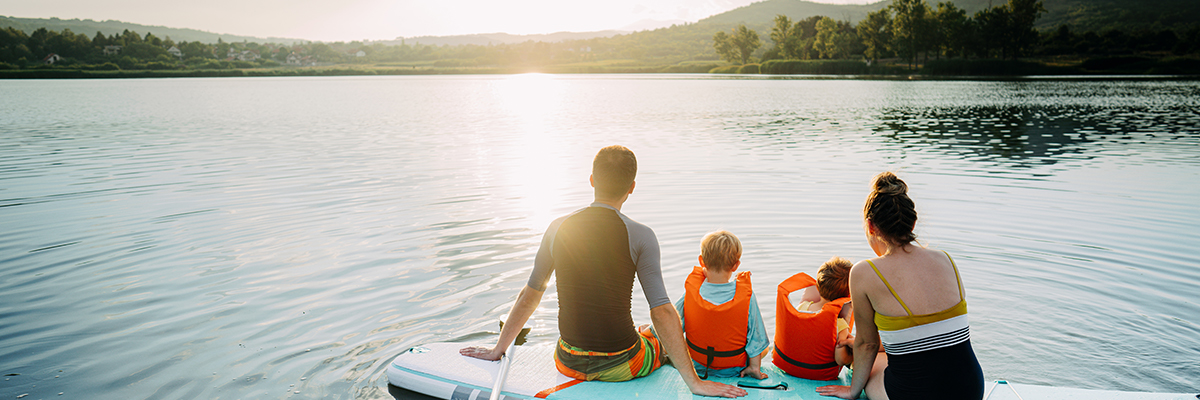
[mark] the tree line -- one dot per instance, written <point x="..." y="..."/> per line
<point x="912" y="30"/>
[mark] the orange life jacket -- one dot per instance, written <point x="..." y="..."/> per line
<point x="804" y="342"/>
<point x="716" y="334"/>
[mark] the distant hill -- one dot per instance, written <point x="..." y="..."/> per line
<point x="1080" y="15"/>
<point x="111" y="27"/>
<point x="484" y="39"/>
<point x="651" y="24"/>
<point x="764" y="12"/>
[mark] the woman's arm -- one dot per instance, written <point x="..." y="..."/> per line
<point x="866" y="343"/>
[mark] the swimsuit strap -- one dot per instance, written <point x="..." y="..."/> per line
<point x="889" y="286"/>
<point x="961" y="297"/>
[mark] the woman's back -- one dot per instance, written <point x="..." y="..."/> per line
<point x="926" y="281"/>
<point x="910" y="299"/>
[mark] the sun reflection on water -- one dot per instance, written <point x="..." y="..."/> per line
<point x="538" y="177"/>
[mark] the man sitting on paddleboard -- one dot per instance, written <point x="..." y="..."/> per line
<point x="594" y="254"/>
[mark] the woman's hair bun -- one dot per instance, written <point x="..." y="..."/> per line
<point x="889" y="183"/>
<point x="889" y="209"/>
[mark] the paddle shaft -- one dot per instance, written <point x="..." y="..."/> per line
<point x="505" y="362"/>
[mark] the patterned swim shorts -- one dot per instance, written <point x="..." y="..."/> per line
<point x="639" y="360"/>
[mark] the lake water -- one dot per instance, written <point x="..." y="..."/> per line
<point x="286" y="237"/>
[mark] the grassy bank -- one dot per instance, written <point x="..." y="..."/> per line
<point x="602" y="67"/>
<point x="1125" y="65"/>
<point x="946" y="68"/>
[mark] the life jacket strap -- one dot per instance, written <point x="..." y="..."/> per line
<point x="710" y="353"/>
<point x="789" y="360"/>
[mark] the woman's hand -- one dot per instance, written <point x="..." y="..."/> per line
<point x="480" y="352"/>
<point x="837" y="391"/>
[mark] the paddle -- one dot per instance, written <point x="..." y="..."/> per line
<point x="1014" y="390"/>
<point x="506" y="361"/>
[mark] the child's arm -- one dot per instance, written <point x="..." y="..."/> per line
<point x="753" y="368"/>
<point x="755" y="341"/>
<point x="843" y="354"/>
<point x="811" y="294"/>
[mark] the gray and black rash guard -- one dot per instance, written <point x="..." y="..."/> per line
<point x="594" y="253"/>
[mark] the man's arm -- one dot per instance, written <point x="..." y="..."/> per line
<point x="670" y="334"/>
<point x="527" y="302"/>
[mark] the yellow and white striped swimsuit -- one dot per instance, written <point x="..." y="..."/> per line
<point x="916" y="333"/>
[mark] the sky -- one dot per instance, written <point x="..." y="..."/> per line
<point x="348" y="20"/>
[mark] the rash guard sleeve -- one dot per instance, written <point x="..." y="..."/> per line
<point x="643" y="246"/>
<point x="543" y="263"/>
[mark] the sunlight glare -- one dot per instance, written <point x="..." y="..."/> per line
<point x="537" y="176"/>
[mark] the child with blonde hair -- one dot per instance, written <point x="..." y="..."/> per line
<point x="721" y="320"/>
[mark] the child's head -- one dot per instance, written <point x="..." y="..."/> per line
<point x="833" y="279"/>
<point x="720" y="251"/>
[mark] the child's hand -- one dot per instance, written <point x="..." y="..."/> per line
<point x="753" y="372"/>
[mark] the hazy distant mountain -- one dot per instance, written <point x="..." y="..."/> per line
<point x="483" y="39"/>
<point x="651" y="24"/>
<point x="764" y="12"/>
<point x="111" y="27"/>
<point x="1080" y="15"/>
<point x="1102" y="15"/>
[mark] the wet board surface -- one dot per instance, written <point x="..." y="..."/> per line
<point x="437" y="370"/>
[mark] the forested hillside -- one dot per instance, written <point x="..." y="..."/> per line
<point x="1050" y="32"/>
<point x="110" y="27"/>
<point x="1080" y="15"/>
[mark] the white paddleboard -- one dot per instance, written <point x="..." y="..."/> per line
<point x="437" y="370"/>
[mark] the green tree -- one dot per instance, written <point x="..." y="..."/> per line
<point x="737" y="47"/>
<point x="993" y="25"/>
<point x="909" y="28"/>
<point x="834" y="39"/>
<point x="805" y="32"/>
<point x="152" y="40"/>
<point x="130" y="37"/>
<point x="783" y="36"/>
<point x="99" y="40"/>
<point x="876" y="33"/>
<point x="142" y="52"/>
<point x="953" y="29"/>
<point x="1023" y="14"/>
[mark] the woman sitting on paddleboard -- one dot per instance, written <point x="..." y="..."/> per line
<point x="911" y="298"/>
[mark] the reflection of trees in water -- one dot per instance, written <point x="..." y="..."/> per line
<point x="1012" y="136"/>
<point x="1022" y="136"/>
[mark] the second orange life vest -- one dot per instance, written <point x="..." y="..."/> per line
<point x="804" y="342"/>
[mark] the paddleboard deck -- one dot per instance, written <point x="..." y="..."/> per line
<point x="437" y="370"/>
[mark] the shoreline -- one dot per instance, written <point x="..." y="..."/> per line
<point x="47" y="74"/>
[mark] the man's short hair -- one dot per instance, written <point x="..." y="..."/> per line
<point x="613" y="171"/>
<point x="720" y="250"/>
<point x="833" y="279"/>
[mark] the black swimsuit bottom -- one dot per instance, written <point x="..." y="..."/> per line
<point x="946" y="373"/>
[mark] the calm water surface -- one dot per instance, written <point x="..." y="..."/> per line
<point x="285" y="238"/>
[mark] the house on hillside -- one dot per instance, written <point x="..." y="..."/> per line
<point x="244" y="55"/>
<point x="360" y="53"/>
<point x="293" y="59"/>
<point x="52" y="58"/>
<point x="112" y="50"/>
<point x="175" y="52"/>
